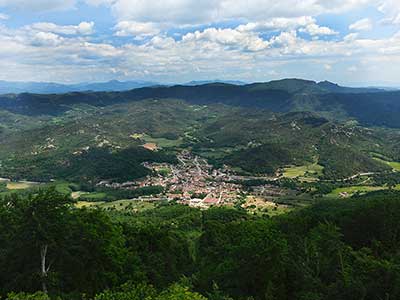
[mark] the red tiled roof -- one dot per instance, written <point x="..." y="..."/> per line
<point x="210" y="200"/>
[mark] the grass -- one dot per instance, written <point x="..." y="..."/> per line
<point x="119" y="205"/>
<point x="164" y="171"/>
<point x="87" y="204"/>
<point x="20" y="185"/>
<point x="393" y="164"/>
<point x="351" y="190"/>
<point x="311" y="171"/>
<point x="162" y="142"/>
<point x="257" y="205"/>
<point x="63" y="187"/>
<point x="128" y="205"/>
<point x="93" y="196"/>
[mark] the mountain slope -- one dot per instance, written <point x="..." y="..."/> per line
<point x="73" y="145"/>
<point x="7" y="87"/>
<point x="368" y="106"/>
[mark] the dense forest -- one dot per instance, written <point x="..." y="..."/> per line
<point x="334" y="249"/>
<point x="367" y="105"/>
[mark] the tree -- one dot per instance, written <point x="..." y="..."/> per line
<point x="25" y="296"/>
<point x="179" y="292"/>
<point x="51" y="246"/>
<point x="147" y="292"/>
<point x="38" y="226"/>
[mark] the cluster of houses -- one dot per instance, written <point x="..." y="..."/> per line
<point x="192" y="181"/>
<point x="196" y="183"/>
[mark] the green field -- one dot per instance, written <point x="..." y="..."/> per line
<point x="22" y="185"/>
<point x="394" y="164"/>
<point x="136" y="206"/>
<point x="351" y="190"/>
<point x="309" y="171"/>
<point x="87" y="204"/>
<point x="160" y="142"/>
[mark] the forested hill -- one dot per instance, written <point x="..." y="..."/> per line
<point x="333" y="250"/>
<point x="368" y="106"/>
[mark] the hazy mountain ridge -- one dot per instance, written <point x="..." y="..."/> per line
<point x="367" y="105"/>
<point x="7" y="87"/>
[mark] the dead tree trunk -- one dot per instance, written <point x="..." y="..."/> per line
<point x="44" y="269"/>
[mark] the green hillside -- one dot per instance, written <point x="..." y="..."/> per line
<point x="368" y="106"/>
<point x="72" y="145"/>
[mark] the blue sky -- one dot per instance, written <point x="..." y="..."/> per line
<point x="354" y="42"/>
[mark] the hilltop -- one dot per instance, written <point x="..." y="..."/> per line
<point x="367" y="106"/>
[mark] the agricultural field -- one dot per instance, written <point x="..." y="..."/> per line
<point x="119" y="205"/>
<point x="21" y="185"/>
<point x="394" y="164"/>
<point x="346" y="192"/>
<point x="305" y="172"/>
<point x="257" y="205"/>
<point x="153" y="143"/>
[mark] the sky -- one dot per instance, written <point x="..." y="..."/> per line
<point x="352" y="42"/>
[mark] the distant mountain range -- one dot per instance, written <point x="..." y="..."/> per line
<point x="7" y="87"/>
<point x="15" y="87"/>
<point x="370" y="106"/>
<point x="202" y="82"/>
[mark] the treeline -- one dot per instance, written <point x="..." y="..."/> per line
<point x="341" y="162"/>
<point x="331" y="250"/>
<point x="90" y="167"/>
<point x="111" y="194"/>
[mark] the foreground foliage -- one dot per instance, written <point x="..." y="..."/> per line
<point x="331" y="250"/>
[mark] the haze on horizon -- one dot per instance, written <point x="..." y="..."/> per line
<point x="351" y="42"/>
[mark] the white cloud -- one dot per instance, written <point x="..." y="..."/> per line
<point x="83" y="28"/>
<point x="4" y="16"/>
<point x="284" y="41"/>
<point x="137" y="29"/>
<point x="304" y="24"/>
<point x="38" y="5"/>
<point x="391" y="9"/>
<point x="351" y="37"/>
<point x="314" y="29"/>
<point x="184" y="12"/>
<point x="47" y="51"/>
<point x="229" y="38"/>
<point x="361" y="25"/>
<point x="46" y="39"/>
<point x="274" y="24"/>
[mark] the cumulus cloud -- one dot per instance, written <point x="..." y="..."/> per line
<point x="361" y="25"/>
<point x="208" y="11"/>
<point x="4" y="16"/>
<point x="229" y="38"/>
<point x="273" y="24"/>
<point x="83" y="28"/>
<point x="305" y="24"/>
<point x="46" y="39"/>
<point x="391" y="9"/>
<point x="193" y="12"/>
<point x="314" y="29"/>
<point x="137" y="29"/>
<point x="269" y="37"/>
<point x="209" y="52"/>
